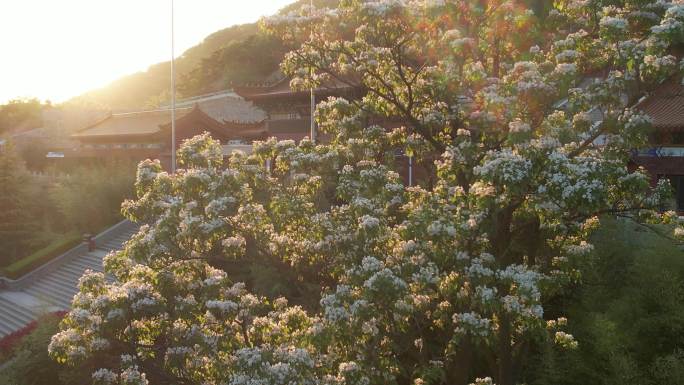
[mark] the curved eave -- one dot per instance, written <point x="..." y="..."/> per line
<point x="668" y="128"/>
<point x="150" y="135"/>
<point x="196" y="115"/>
<point x="297" y="94"/>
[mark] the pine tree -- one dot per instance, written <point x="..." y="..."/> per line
<point x="16" y="227"/>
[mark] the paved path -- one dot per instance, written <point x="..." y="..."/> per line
<point x="55" y="289"/>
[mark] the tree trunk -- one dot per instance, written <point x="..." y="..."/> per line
<point x="496" y="61"/>
<point x="501" y="236"/>
<point x="460" y="368"/>
<point x="505" y="353"/>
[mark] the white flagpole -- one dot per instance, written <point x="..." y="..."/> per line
<point x="173" y="99"/>
<point x="313" y="97"/>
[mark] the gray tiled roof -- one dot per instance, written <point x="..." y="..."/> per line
<point x="232" y="109"/>
<point x="665" y="106"/>
<point x="132" y="123"/>
<point x="225" y="106"/>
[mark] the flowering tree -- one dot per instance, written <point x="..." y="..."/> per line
<point x="436" y="284"/>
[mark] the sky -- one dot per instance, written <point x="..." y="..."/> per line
<point x="54" y="50"/>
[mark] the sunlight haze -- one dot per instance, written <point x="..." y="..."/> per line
<point x="59" y="49"/>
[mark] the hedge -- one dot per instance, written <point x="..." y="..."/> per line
<point x="9" y="342"/>
<point x="44" y="255"/>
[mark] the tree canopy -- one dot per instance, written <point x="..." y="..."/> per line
<point x="21" y="114"/>
<point x="444" y="283"/>
<point x="234" y="55"/>
<point x="16" y="223"/>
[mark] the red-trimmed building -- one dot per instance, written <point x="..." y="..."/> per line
<point x="665" y="157"/>
<point x="237" y="118"/>
<point x="257" y="112"/>
<point x="147" y="134"/>
<point x="144" y="134"/>
<point x="288" y="112"/>
<point x="252" y="112"/>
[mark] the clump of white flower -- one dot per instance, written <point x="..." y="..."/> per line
<point x="234" y="242"/>
<point x="566" y="56"/>
<point x="580" y="249"/>
<point x="222" y="306"/>
<point x="371" y="264"/>
<point x="368" y="222"/>
<point x="462" y="132"/>
<point x="104" y="377"/>
<point x="482" y="190"/>
<point x="566" y="69"/>
<point x="565" y="340"/>
<point x="504" y="165"/>
<point x="679" y="232"/>
<point x="613" y="22"/>
<point x="483" y="381"/>
<point x="518" y="126"/>
<point x="132" y="376"/>
<point x="384" y="279"/>
<point x="472" y="323"/>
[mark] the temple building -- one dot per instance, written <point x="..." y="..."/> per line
<point x="288" y="112"/>
<point x="236" y="117"/>
<point x="147" y="134"/>
<point x="257" y="112"/>
<point x="140" y="135"/>
<point x="664" y="158"/>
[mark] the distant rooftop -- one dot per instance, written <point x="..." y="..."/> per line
<point x="132" y="123"/>
<point x="225" y="106"/>
<point x="665" y="106"/>
<point x="281" y="88"/>
<point x="202" y="98"/>
<point x="39" y="132"/>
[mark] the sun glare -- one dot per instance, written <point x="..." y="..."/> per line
<point x="59" y="49"/>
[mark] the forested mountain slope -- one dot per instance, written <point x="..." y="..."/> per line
<point x="237" y="54"/>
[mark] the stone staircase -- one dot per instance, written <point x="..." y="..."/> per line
<point x="51" y="288"/>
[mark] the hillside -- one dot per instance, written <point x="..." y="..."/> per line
<point x="237" y="54"/>
<point x="148" y="88"/>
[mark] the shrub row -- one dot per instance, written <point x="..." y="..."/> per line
<point x="42" y="256"/>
